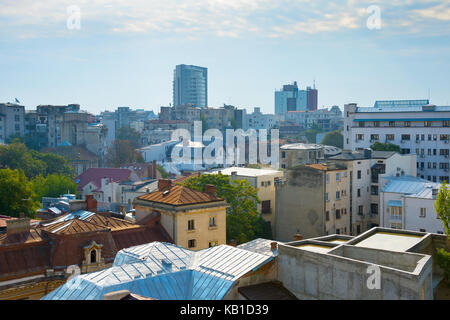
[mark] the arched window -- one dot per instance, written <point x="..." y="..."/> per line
<point x="93" y="256"/>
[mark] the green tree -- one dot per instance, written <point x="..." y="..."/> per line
<point x="442" y="207"/>
<point x="378" y="146"/>
<point x="243" y="220"/>
<point x="17" y="156"/>
<point x="16" y="194"/>
<point x="443" y="260"/>
<point x="333" y="138"/>
<point x="161" y="170"/>
<point x="30" y="141"/>
<point x="121" y="153"/>
<point x="53" y="185"/>
<point x="131" y="135"/>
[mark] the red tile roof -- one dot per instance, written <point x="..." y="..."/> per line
<point x="95" y="175"/>
<point x="179" y="195"/>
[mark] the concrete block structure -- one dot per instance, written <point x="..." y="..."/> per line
<point x="380" y="264"/>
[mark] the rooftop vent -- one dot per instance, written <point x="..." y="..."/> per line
<point x="166" y="263"/>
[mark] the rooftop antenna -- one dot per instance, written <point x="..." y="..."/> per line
<point x="314" y="84"/>
<point x="429" y="97"/>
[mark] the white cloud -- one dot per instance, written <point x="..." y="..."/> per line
<point x="224" y="18"/>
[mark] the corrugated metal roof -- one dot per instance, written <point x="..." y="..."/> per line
<point x="262" y="246"/>
<point x="411" y="186"/>
<point x="200" y="275"/>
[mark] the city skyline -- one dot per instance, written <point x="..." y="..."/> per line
<point x="124" y="55"/>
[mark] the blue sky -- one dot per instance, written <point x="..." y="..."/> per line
<point x="125" y="51"/>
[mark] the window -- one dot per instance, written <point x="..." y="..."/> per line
<point x="444" y="137"/>
<point x="327" y="178"/>
<point x="212" y="221"/>
<point x="407" y="123"/>
<point x="374" y="190"/>
<point x="338" y="214"/>
<point x="390" y="137"/>
<point x="283" y="154"/>
<point x="327" y="216"/>
<point x="406" y="137"/>
<point x="359" y="174"/>
<point x="376" y="124"/>
<point x="358" y="229"/>
<point x="427" y="123"/>
<point x="360" y="210"/>
<point x="445" y="123"/>
<point x="191" y="243"/>
<point x="338" y="195"/>
<point x="443" y="152"/>
<point x="423" y="230"/>
<point x="191" y="225"/>
<point x="359" y="193"/>
<point x="423" y="212"/>
<point x="93" y="256"/>
<point x="326" y="196"/>
<point x="359" y="137"/>
<point x="374" y="137"/>
<point x="338" y="177"/>
<point x="391" y="123"/>
<point x="374" y="208"/>
<point x="405" y="151"/>
<point x="265" y="206"/>
<point x="16" y="118"/>
<point x="361" y="124"/>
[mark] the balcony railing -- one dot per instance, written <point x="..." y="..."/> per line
<point x="395" y="217"/>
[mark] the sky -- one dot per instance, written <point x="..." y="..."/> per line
<point x="103" y="54"/>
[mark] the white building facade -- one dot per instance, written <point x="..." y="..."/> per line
<point x="418" y="129"/>
<point x="408" y="203"/>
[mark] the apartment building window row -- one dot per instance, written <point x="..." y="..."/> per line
<point x="423" y="212"/>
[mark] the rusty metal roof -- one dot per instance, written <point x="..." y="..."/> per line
<point x="179" y="195"/>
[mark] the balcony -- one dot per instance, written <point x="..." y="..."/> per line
<point x="395" y="217"/>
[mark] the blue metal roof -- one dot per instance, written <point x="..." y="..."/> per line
<point x="411" y="186"/>
<point x="166" y="272"/>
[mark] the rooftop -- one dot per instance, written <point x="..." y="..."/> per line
<point x="390" y="241"/>
<point x="411" y="186"/>
<point x="247" y="172"/>
<point x="95" y="175"/>
<point x="302" y="146"/>
<point x="166" y="272"/>
<point x="179" y="195"/>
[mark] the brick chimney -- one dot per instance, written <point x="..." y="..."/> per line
<point x="298" y="237"/>
<point x="164" y="184"/>
<point x="91" y="203"/>
<point x="154" y="170"/>
<point x="15" y="226"/>
<point x="273" y="245"/>
<point x="233" y="243"/>
<point x="210" y="189"/>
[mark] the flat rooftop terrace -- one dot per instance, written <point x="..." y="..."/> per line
<point x="399" y="242"/>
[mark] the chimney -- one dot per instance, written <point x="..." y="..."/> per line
<point x="298" y="237"/>
<point x="15" y="226"/>
<point x="273" y="245"/>
<point x="164" y="184"/>
<point x="91" y="203"/>
<point x="210" y="189"/>
<point x="233" y="243"/>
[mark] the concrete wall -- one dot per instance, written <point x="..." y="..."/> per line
<point x="311" y="275"/>
<point x="300" y="204"/>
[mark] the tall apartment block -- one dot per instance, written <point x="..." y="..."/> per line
<point x="11" y="120"/>
<point x="190" y="86"/>
<point x="290" y="98"/>
<point x="415" y="125"/>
